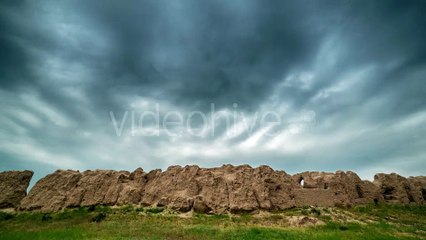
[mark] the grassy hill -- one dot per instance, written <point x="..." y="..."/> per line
<point x="128" y="222"/>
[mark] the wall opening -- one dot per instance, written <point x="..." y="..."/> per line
<point x="359" y="191"/>
<point x="424" y="194"/>
<point x="388" y="193"/>
<point x="302" y="182"/>
<point x="409" y="195"/>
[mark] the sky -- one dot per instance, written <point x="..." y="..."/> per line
<point x="296" y="85"/>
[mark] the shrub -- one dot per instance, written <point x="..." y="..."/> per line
<point x="154" y="210"/>
<point x="46" y="217"/>
<point x="343" y="228"/>
<point x="315" y="211"/>
<point x="91" y="208"/>
<point x="99" y="218"/>
<point x="6" y="216"/>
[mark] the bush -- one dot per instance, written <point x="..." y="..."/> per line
<point x="140" y="209"/>
<point x="154" y="210"/>
<point x="6" y="216"/>
<point x="46" y="217"/>
<point x="315" y="211"/>
<point x="99" y="218"/>
<point x="343" y="228"/>
<point x="91" y="208"/>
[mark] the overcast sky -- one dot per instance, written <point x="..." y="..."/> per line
<point x="346" y="79"/>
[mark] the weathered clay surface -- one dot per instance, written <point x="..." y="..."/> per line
<point x="50" y="192"/>
<point x="63" y="189"/>
<point x="212" y="190"/>
<point x="13" y="187"/>
<point x="418" y="188"/>
<point x="334" y="189"/>
<point x="401" y="190"/>
<point x="228" y="188"/>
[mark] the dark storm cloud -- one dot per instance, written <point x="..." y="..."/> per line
<point x="14" y="59"/>
<point x="202" y="52"/>
<point x="388" y="35"/>
<point x="196" y="53"/>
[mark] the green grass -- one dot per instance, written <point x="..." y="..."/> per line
<point x="128" y="222"/>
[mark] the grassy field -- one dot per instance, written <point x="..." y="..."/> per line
<point x="363" y="222"/>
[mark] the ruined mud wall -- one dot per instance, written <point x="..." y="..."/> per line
<point x="399" y="190"/>
<point x="13" y="187"/>
<point x="228" y="188"/>
<point x="334" y="189"/>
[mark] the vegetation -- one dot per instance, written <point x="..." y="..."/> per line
<point x="128" y="222"/>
